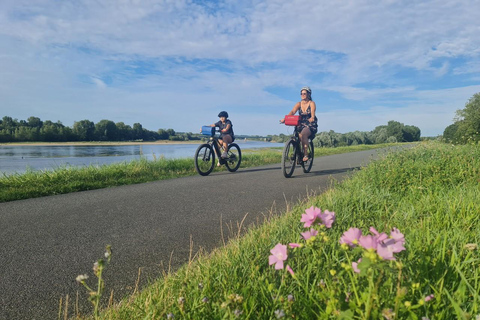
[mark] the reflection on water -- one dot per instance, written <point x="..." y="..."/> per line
<point x="19" y="158"/>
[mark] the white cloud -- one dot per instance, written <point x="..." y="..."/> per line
<point x="153" y="58"/>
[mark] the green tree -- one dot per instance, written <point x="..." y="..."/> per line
<point x="395" y="129"/>
<point x="468" y="120"/>
<point x="124" y="132"/>
<point x="450" y="133"/>
<point x="84" y="130"/>
<point x="137" y="131"/>
<point x="106" y="130"/>
<point x="34" y="122"/>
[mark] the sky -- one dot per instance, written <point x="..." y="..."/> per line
<point x="178" y="63"/>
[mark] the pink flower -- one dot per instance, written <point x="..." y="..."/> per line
<point x="368" y="242"/>
<point x="279" y="254"/>
<point x="351" y="237"/>
<point x="355" y="266"/>
<point x="397" y="235"/>
<point x="290" y="270"/>
<point x="429" y="297"/>
<point x="311" y="233"/>
<point x="327" y="218"/>
<point x="379" y="236"/>
<point x="294" y="245"/>
<point x="385" y="249"/>
<point x="310" y="215"/>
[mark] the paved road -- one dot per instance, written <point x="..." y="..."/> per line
<point x="46" y="242"/>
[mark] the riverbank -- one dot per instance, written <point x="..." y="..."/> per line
<point x="99" y="143"/>
<point x="65" y="179"/>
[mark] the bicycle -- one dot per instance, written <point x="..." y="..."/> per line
<point x="292" y="151"/>
<point x="205" y="154"/>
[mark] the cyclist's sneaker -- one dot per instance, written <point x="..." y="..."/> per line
<point x="224" y="155"/>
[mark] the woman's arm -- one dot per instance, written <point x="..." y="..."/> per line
<point x="313" y="108"/>
<point x="291" y="113"/>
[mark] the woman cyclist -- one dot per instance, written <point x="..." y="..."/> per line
<point x="307" y="127"/>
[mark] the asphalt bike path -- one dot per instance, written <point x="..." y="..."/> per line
<point x="47" y="242"/>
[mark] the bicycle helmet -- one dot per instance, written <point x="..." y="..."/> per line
<point x="223" y="114"/>
<point x="307" y="89"/>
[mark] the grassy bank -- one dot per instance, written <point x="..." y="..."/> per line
<point x="430" y="193"/>
<point x="71" y="179"/>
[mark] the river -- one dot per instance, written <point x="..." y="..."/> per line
<point x="20" y="158"/>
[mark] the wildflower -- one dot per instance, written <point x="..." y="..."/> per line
<point x="387" y="248"/>
<point x="333" y="272"/>
<point x="205" y="300"/>
<point x="368" y="242"/>
<point x="355" y="266"/>
<point x="388" y="314"/>
<point x="96" y="267"/>
<point x="397" y="235"/>
<point x="429" y="297"/>
<point x="322" y="283"/>
<point x="294" y="245"/>
<point x="309" y="234"/>
<point x="408" y="304"/>
<point x="309" y="217"/>
<point x="181" y="300"/>
<point x="471" y="246"/>
<point x="200" y="285"/>
<point x="347" y="296"/>
<point x="279" y="255"/>
<point x="170" y="316"/>
<point x="81" y="278"/>
<point x="290" y="298"/>
<point x="237" y="313"/>
<point x="380" y="237"/>
<point x="289" y="269"/>
<point x="351" y="237"/>
<point x="327" y="218"/>
<point x="279" y="313"/>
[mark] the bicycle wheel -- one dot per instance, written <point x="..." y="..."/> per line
<point x="204" y="159"/>
<point x="307" y="165"/>
<point x="234" y="157"/>
<point x="288" y="158"/>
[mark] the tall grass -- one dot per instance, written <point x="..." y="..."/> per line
<point x="71" y="179"/>
<point x="430" y="193"/>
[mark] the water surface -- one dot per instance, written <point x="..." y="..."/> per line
<point x="18" y="159"/>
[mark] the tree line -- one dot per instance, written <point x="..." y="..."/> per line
<point x="35" y="130"/>
<point x="466" y="126"/>
<point x="394" y="131"/>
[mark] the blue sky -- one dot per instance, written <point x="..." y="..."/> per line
<point x="177" y="63"/>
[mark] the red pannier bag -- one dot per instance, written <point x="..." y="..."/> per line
<point x="292" y="120"/>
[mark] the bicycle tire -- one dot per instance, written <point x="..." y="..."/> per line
<point x="307" y="165"/>
<point x="234" y="157"/>
<point x="204" y="159"/>
<point x="289" y="158"/>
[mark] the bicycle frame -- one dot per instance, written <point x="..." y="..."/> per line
<point x="291" y="160"/>
<point x="205" y="156"/>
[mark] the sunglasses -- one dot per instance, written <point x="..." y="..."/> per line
<point x="303" y="94"/>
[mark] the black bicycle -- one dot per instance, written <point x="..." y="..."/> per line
<point x="205" y="154"/>
<point x="293" y="155"/>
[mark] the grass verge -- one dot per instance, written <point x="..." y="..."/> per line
<point x="62" y="180"/>
<point x="430" y="193"/>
